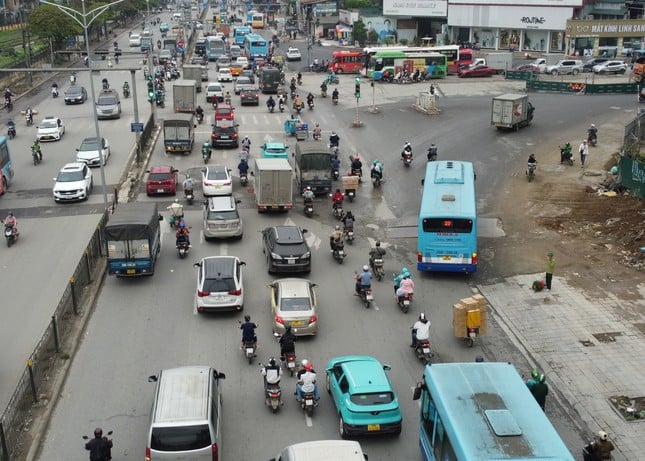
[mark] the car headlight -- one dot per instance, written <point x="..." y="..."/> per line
<point x="306" y="255"/>
<point x="275" y="256"/>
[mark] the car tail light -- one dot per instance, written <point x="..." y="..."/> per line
<point x="215" y="452"/>
<point x="474" y="258"/>
<point x="148" y="458"/>
<point x="235" y="292"/>
<point x="279" y="320"/>
<point x="313" y="319"/>
<point x="227" y="183"/>
<point x="201" y="294"/>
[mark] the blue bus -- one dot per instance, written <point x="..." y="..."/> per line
<point x="5" y="165"/>
<point x="215" y="47"/>
<point x="239" y="33"/>
<point x="255" y="47"/>
<point x="447" y="229"/>
<point x="478" y="411"/>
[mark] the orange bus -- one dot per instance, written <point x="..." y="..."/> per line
<point x="348" y="62"/>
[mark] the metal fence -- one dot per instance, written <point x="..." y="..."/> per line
<point x="51" y="346"/>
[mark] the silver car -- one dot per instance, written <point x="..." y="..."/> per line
<point x="293" y="303"/>
<point x="221" y="218"/>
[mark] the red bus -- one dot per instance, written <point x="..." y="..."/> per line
<point x="465" y="57"/>
<point x="348" y="62"/>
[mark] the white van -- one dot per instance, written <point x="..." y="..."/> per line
<point x="185" y="418"/>
<point x="323" y="450"/>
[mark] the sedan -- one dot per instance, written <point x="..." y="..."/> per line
<point x="224" y="75"/>
<point x="236" y="69"/>
<point x="90" y="154"/>
<point x="134" y="40"/>
<point x="223" y="61"/>
<point x="293" y="54"/>
<point x="243" y="61"/>
<point x="243" y="83"/>
<point x="75" y="94"/>
<point x="293" y="303"/>
<point x="216" y="180"/>
<point x="527" y="68"/>
<point x="74" y="182"/>
<point x="250" y="97"/>
<point x="610" y="67"/>
<point x="477" y="71"/>
<point x="363" y="396"/>
<point x="286" y="249"/>
<point x="275" y="150"/>
<point x="50" y="129"/>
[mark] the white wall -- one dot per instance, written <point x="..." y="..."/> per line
<point x="511" y="17"/>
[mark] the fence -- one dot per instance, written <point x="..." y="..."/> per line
<point x="631" y="168"/>
<point x="582" y="87"/>
<point x="56" y="338"/>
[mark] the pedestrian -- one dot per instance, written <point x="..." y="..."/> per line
<point x="584" y="151"/>
<point x="540" y="390"/>
<point x="550" y="266"/>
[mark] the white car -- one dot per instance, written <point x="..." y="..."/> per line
<point x="146" y="33"/>
<point x="224" y="75"/>
<point x="610" y="67"/>
<point x="243" y="61"/>
<point x="214" y="91"/>
<point x="134" y="40"/>
<point x="293" y="54"/>
<point x="74" y="182"/>
<point x="216" y="180"/>
<point x="90" y="154"/>
<point x="220" y="284"/>
<point x="50" y="129"/>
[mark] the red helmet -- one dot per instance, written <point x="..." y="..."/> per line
<point x="309" y="367"/>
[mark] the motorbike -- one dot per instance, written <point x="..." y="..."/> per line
<point x="206" y="152"/>
<point x="592" y="138"/>
<point x="316" y="136"/>
<point x="289" y="362"/>
<point x="377" y="268"/>
<point x="337" y="211"/>
<point x="422" y="350"/>
<point x="334" y="100"/>
<point x="173" y="221"/>
<point x="530" y="171"/>
<point x="281" y="107"/>
<point x="8" y="103"/>
<point x="293" y="93"/>
<point x="10" y="235"/>
<point x="160" y="100"/>
<point x="309" y="208"/>
<point x="404" y="301"/>
<point x="200" y="118"/>
<point x="331" y="78"/>
<point x="308" y="403"/>
<point x="54" y="92"/>
<point x="273" y="397"/>
<point x="109" y="452"/>
<point x="29" y="119"/>
<point x="244" y="179"/>
<point x="377" y="180"/>
<point x="249" y="350"/>
<point x="36" y="157"/>
<point x="432" y="155"/>
<point x="366" y="297"/>
<point x="323" y="93"/>
<point x="407" y="158"/>
<point x="271" y="108"/>
<point x="339" y="252"/>
<point x="350" y="193"/>
<point x="183" y="248"/>
<point x="11" y="130"/>
<point x="566" y="156"/>
<point x="335" y="173"/>
<point x="126" y="92"/>
<point x="310" y="103"/>
<point x="190" y="196"/>
<point x="349" y="234"/>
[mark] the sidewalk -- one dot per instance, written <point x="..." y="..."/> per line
<point x="589" y="349"/>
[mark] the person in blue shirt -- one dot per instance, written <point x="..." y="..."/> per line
<point x="248" y="332"/>
<point x="363" y="280"/>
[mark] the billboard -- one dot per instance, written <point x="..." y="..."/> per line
<point x="384" y="27"/>
<point x="427" y="8"/>
<point x="529" y="3"/>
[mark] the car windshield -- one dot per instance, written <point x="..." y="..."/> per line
<point x="180" y="438"/>
<point x="295" y="304"/>
<point x="275" y="150"/>
<point x="222" y="215"/>
<point x="70" y="176"/>
<point x="48" y="124"/>
<point x="243" y="80"/>
<point x="381" y="398"/>
<point x="106" y="101"/>
<point x="74" y="90"/>
<point x="224" y="129"/>
<point x="219" y="285"/>
<point x="223" y="111"/>
<point x="214" y="88"/>
<point x="216" y="175"/>
<point x="159" y="176"/>
<point x="89" y="144"/>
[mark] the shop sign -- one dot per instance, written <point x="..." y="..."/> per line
<point x="426" y="8"/>
<point x="606" y="28"/>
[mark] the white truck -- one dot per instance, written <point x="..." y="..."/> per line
<point x="194" y="72"/>
<point x="501" y="62"/>
<point x="183" y="96"/>
<point x="511" y="111"/>
<point x="273" y="184"/>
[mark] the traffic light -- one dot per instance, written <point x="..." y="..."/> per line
<point x="357" y="88"/>
<point x="151" y="89"/>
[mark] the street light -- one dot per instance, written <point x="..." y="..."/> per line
<point x="82" y="20"/>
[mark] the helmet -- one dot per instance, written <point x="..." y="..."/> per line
<point x="337" y="227"/>
<point x="304" y="363"/>
<point x="366" y="268"/>
<point x="287" y="329"/>
<point x="479" y="359"/>
<point x="308" y="187"/>
<point x="317" y="124"/>
<point x="182" y="225"/>
<point x="333" y="133"/>
<point x="187" y="176"/>
<point x="247" y="318"/>
<point x="602" y="435"/>
<point x="593" y="126"/>
<point x="422" y="316"/>
<point x="10" y="215"/>
<point x="98" y="432"/>
<point x="378" y="243"/>
<point x="309" y="366"/>
<point x="550" y="253"/>
<point x="405" y="272"/>
<point x="432" y="145"/>
<point x="535" y="374"/>
<point x="337" y="190"/>
<point x="272" y="361"/>
<point x="176" y="200"/>
<point x="542" y="378"/>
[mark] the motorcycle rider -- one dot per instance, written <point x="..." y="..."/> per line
<point x="334" y="95"/>
<point x="432" y="152"/>
<point x="271" y="372"/>
<point x="243" y="167"/>
<point x="281" y="102"/>
<point x="376" y="170"/>
<point x="199" y="112"/>
<point x="105" y="83"/>
<point x="602" y="446"/>
<point x="566" y="152"/>
<point x="176" y="211"/>
<point x="55" y="89"/>
<point x="297" y="103"/>
<point x="337" y="199"/>
<point x="246" y="143"/>
<point x="38" y="150"/>
<point x="11" y="128"/>
<point x="292" y="84"/>
<point x="227" y="98"/>
<point x="248" y="332"/>
<point x="323" y="89"/>
<point x="11" y="220"/>
<point x="188" y="185"/>
<point x="299" y="79"/>
<point x="335" y="164"/>
<point x="287" y="343"/>
<point x="306" y="382"/>
<point x="310" y="100"/>
<point x="420" y="330"/>
<point x="357" y="165"/>
<point x="7" y="96"/>
<point x="334" y="139"/>
<point x="376" y="253"/>
<point x="531" y="162"/>
<point x="99" y="447"/>
<point x="206" y="149"/>
<point x="308" y="195"/>
<point x="270" y="103"/>
<point x="592" y="134"/>
<point x="405" y="287"/>
<point x="126" y="88"/>
<point x="363" y="280"/>
<point x="348" y="221"/>
<point x="397" y="280"/>
<point x="336" y="238"/>
<point x="317" y="132"/>
<point x="182" y="234"/>
<point x="30" y="115"/>
<point x="407" y="150"/>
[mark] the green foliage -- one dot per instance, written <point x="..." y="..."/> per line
<point x="47" y="21"/>
<point x="403" y="41"/>
<point x="360" y="32"/>
<point x="372" y="36"/>
<point x="349" y="4"/>
<point x="389" y="40"/>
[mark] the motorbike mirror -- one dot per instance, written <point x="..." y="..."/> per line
<point x="276" y="334"/>
<point x="304" y="231"/>
<point x="152" y="378"/>
<point x="387" y="367"/>
<point x="238" y="201"/>
<point x="199" y="265"/>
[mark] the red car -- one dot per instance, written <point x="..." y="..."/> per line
<point x="161" y="180"/>
<point x="224" y="112"/>
<point x="477" y="71"/>
<point x="527" y="68"/>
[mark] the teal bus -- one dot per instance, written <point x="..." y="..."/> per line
<point x="483" y="411"/>
<point x="434" y="65"/>
<point x="255" y="47"/>
<point x="447" y="228"/>
<point x="6" y="168"/>
<point x="239" y="33"/>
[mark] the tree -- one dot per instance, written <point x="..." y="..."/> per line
<point x="48" y="21"/>
<point x="359" y="32"/>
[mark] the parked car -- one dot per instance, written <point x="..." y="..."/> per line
<point x="477" y="71"/>
<point x="286" y="249"/>
<point x="216" y="180"/>
<point x="161" y="180"/>
<point x="75" y="94"/>
<point x="527" y="68"/>
<point x="220" y="284"/>
<point x="224" y="134"/>
<point x="293" y="54"/>
<point x="565" y="66"/>
<point x="90" y="153"/>
<point x="50" y="129"/>
<point x="589" y="65"/>
<point x="293" y="303"/>
<point x="250" y="97"/>
<point x="610" y="67"/>
<point x="74" y="182"/>
<point x="363" y="396"/>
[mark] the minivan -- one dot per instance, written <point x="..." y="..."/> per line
<point x="108" y="104"/>
<point x="323" y="450"/>
<point x="235" y="51"/>
<point x="221" y="218"/>
<point x="185" y="421"/>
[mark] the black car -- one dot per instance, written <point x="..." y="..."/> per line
<point x="588" y="65"/>
<point x="224" y="134"/>
<point x="286" y="249"/>
<point x="250" y="97"/>
<point x="75" y="94"/>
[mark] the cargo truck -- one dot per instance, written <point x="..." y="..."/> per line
<point x="273" y="184"/>
<point x="501" y="62"/>
<point x="133" y="239"/>
<point x="179" y="133"/>
<point x="184" y="96"/>
<point x="193" y="72"/>
<point x="511" y="111"/>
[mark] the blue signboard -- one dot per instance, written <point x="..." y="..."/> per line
<point x="136" y="127"/>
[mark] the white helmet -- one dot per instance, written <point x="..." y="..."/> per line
<point x="366" y="268"/>
<point x="304" y="362"/>
<point x="602" y="435"/>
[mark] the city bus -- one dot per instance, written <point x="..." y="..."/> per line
<point x="447" y="228"/>
<point x="239" y="33"/>
<point x="215" y="47"/>
<point x="5" y="165"/>
<point x="475" y="411"/>
<point x="465" y="58"/>
<point x="255" y="46"/>
<point x="346" y="62"/>
<point x="450" y="51"/>
<point x="393" y="62"/>
<point x="257" y="21"/>
<point x="249" y="17"/>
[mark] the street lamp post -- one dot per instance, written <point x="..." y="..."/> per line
<point x="82" y="20"/>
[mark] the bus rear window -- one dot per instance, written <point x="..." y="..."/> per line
<point x="459" y="226"/>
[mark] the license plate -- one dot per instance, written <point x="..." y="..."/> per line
<point x="406" y="302"/>
<point x="309" y="402"/>
<point x="296" y="323"/>
<point x="291" y="261"/>
<point x="373" y="427"/>
<point x="426" y="350"/>
<point x="369" y="297"/>
<point x="160" y="191"/>
<point x="218" y="187"/>
<point x="249" y="351"/>
<point x="446" y="258"/>
<point x="131" y="271"/>
<point x="291" y="365"/>
<point x="341" y="252"/>
<point x="224" y="137"/>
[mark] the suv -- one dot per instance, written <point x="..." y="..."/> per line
<point x="74" y="182"/>
<point x="286" y="249"/>
<point x="108" y="104"/>
<point x="565" y="66"/>
<point x="610" y="67"/>
<point x="220" y="284"/>
<point x="221" y="219"/>
<point x="214" y="92"/>
<point x="589" y="65"/>
<point x="161" y="180"/>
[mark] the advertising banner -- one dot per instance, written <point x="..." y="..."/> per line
<point x="427" y="8"/>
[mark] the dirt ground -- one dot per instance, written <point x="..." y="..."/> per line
<point x="596" y="239"/>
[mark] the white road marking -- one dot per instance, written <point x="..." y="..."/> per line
<point x="308" y="420"/>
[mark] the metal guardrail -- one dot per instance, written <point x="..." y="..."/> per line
<point x="582" y="87"/>
<point x="51" y="346"/>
